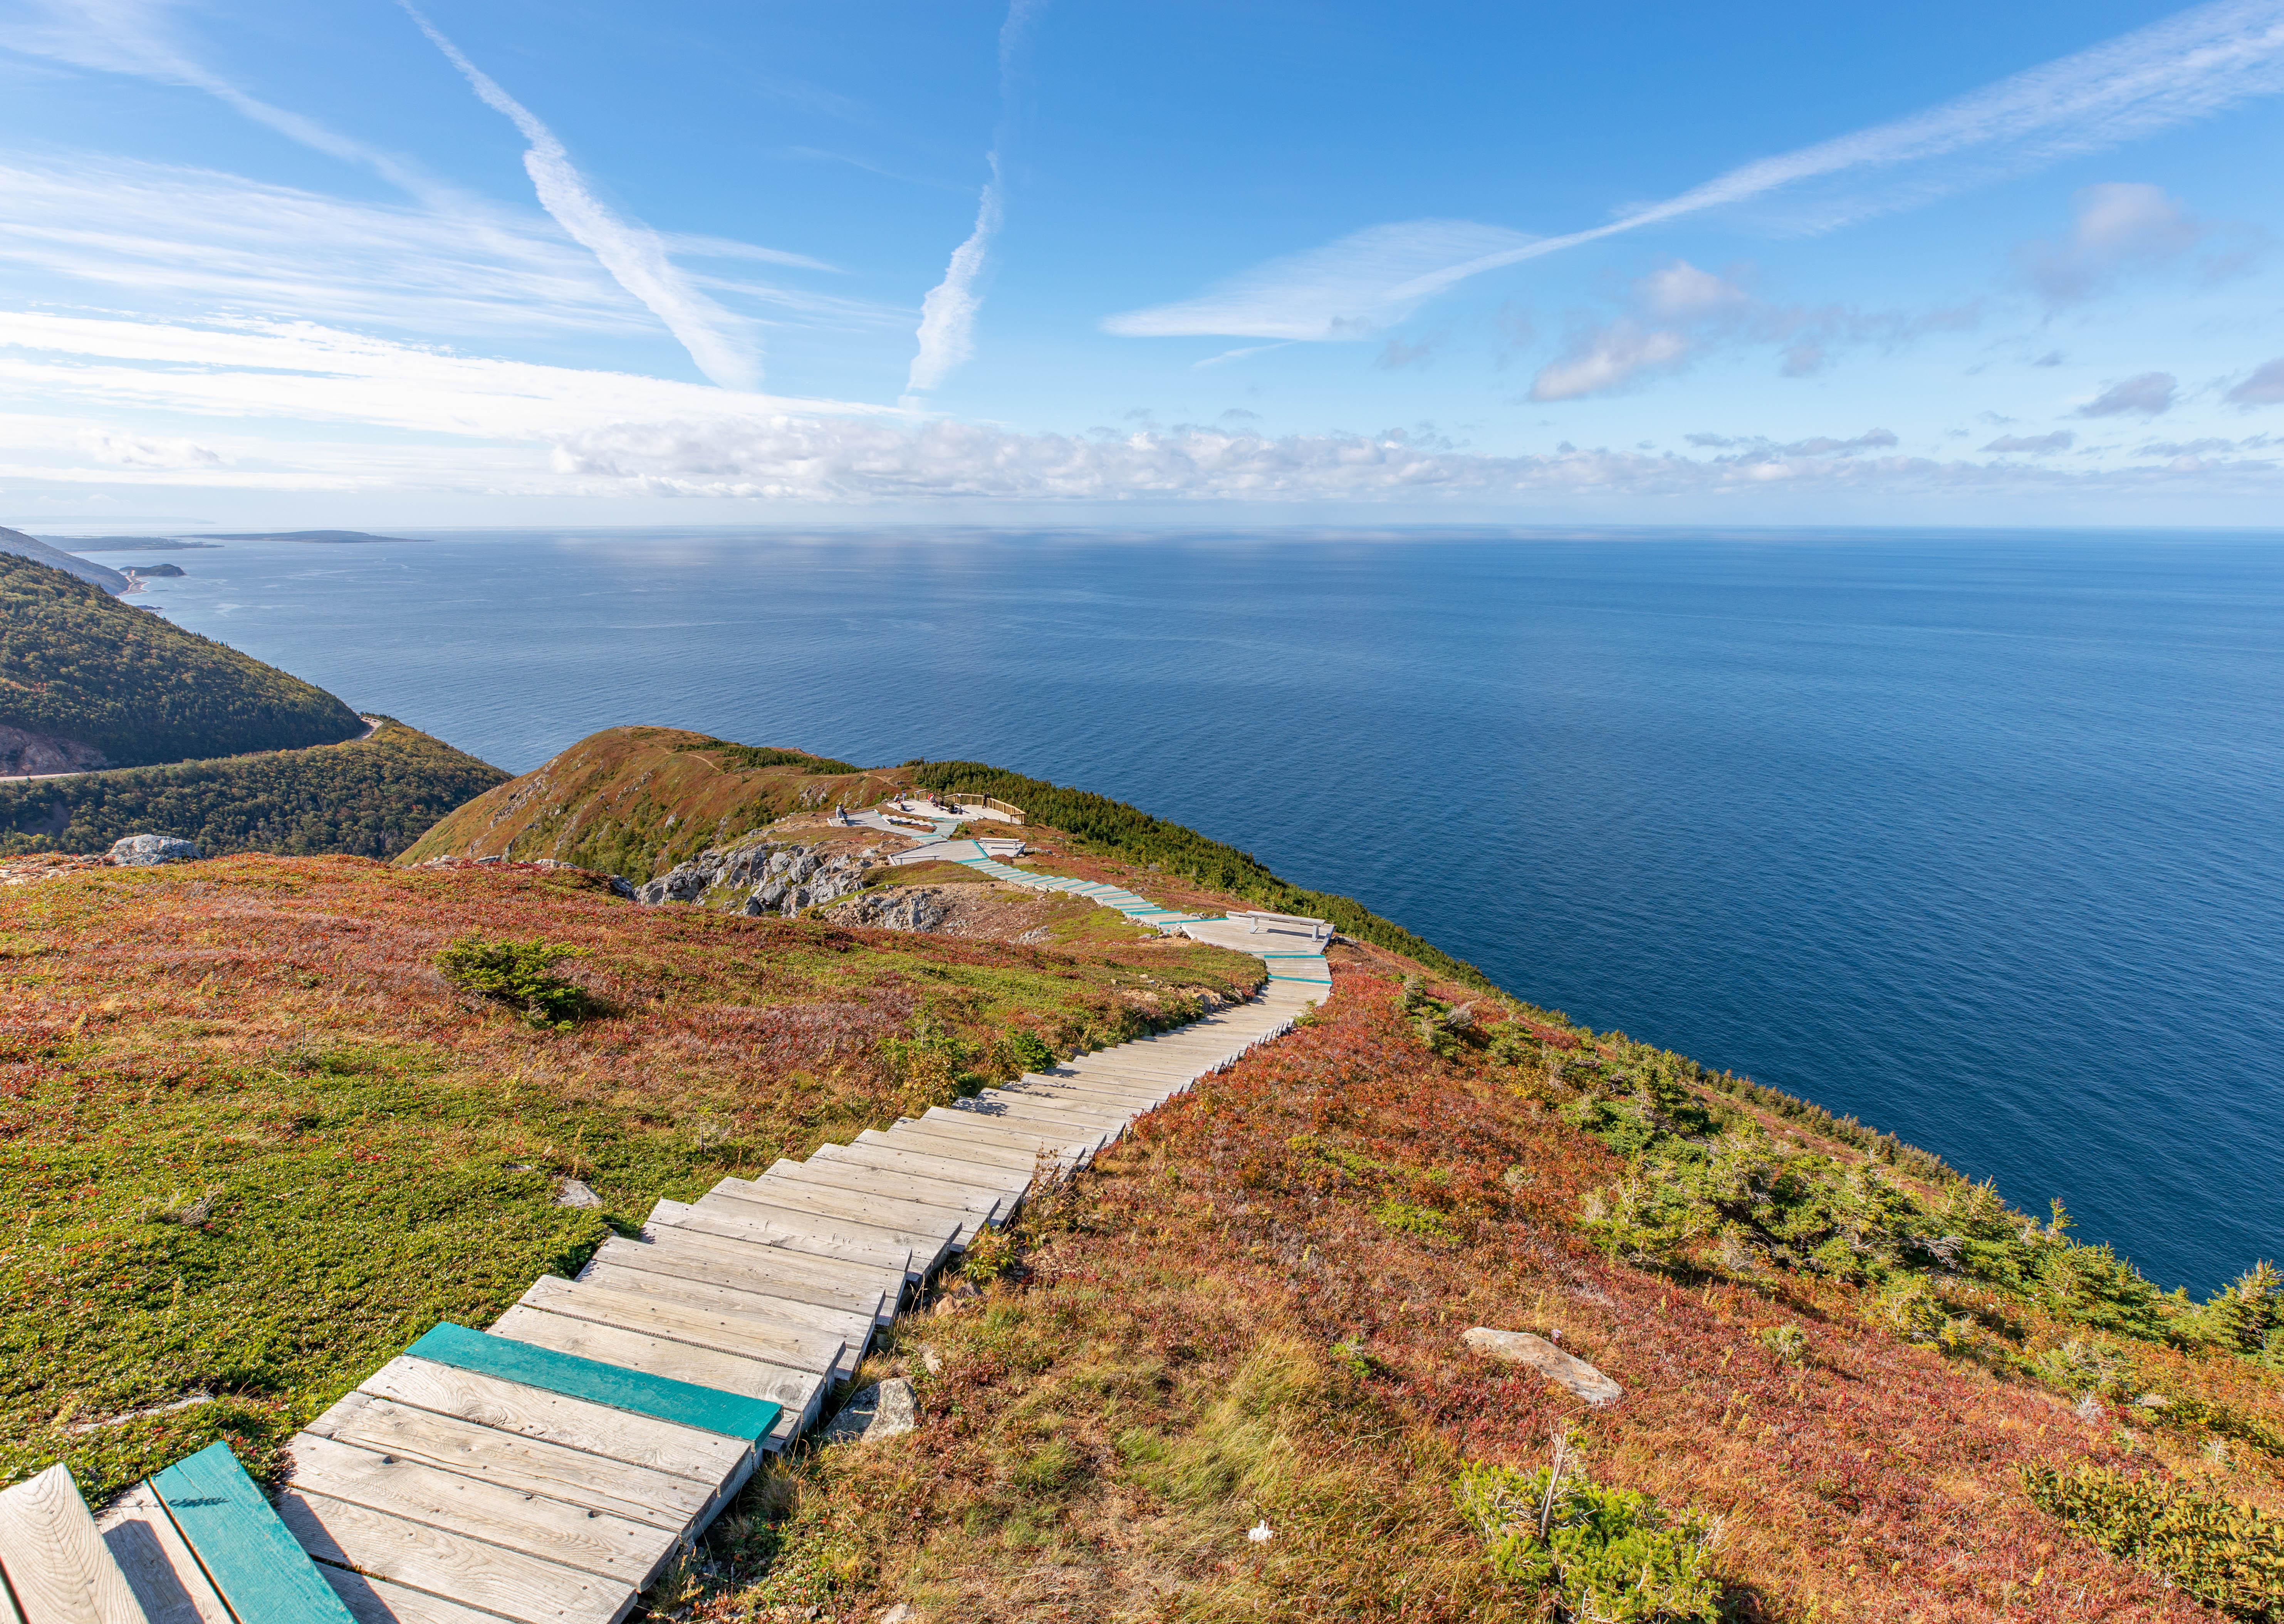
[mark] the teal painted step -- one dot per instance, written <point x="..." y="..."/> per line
<point x="707" y="1408"/>
<point x="258" y="1567"/>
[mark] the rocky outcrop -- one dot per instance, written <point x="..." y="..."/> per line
<point x="885" y="1410"/>
<point x="142" y="850"/>
<point x="924" y="908"/>
<point x="763" y="877"/>
<point x="24" y="754"/>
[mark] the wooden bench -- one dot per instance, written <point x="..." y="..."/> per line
<point x="1257" y="921"/>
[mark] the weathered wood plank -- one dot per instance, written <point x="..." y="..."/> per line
<point x="577" y="1536"/>
<point x="901" y="1159"/>
<point x="253" y="1562"/>
<point x="528" y="1590"/>
<point x="1022" y="1164"/>
<point x="992" y="1146"/>
<point x="600" y="1380"/>
<point x="918" y="1217"/>
<point x="376" y="1601"/>
<point x="56" y="1561"/>
<point x="158" y="1563"/>
<point x="525" y="1466"/>
<point x="750" y="1335"/>
<point x="807" y="1239"/>
<point x="770" y="1271"/>
<point x="981" y="1206"/>
<point x="796" y="1392"/>
<point x="707" y="1459"/>
<point x="852" y="1331"/>
<point x="926" y="1248"/>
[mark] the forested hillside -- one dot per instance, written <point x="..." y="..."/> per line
<point x="369" y="797"/>
<point x="84" y="677"/>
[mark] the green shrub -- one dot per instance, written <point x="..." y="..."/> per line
<point x="1606" y="1554"/>
<point x="1027" y="1051"/>
<point x="1787" y="1342"/>
<point x="2231" y="1557"/>
<point x="520" y="974"/>
<point x="1415" y="1220"/>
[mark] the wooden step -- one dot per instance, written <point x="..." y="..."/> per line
<point x="943" y="1169"/>
<point x="56" y="1561"/>
<point x="655" y="1314"/>
<point x="853" y="1330"/>
<point x="376" y="1601"/>
<point x="792" y="1206"/>
<point x="403" y="1551"/>
<point x="770" y="1271"/>
<point x="253" y="1562"/>
<point x="974" y="1205"/>
<point x="1059" y="1146"/>
<point x="559" y="1531"/>
<point x="1012" y="1179"/>
<point x="1101" y="1124"/>
<point x="709" y="1459"/>
<point x="518" y="1464"/>
<point x="961" y="1146"/>
<point x="665" y="1395"/>
<point x="1038" y="1130"/>
<point x="797" y="1392"/>
<point x="901" y="1210"/>
<point x="806" y="1239"/>
<point x="158" y="1563"/>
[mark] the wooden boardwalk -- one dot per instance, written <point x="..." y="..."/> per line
<point x="546" y="1470"/>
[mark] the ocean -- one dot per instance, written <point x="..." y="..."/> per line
<point x="1977" y="837"/>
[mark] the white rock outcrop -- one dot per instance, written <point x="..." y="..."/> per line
<point x="140" y="850"/>
<point x="775" y="877"/>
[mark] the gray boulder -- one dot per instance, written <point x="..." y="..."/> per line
<point x="141" y="850"/>
<point x="773" y="877"/>
<point x="881" y="1411"/>
<point x="923" y="910"/>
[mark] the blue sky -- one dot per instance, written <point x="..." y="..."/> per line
<point x="487" y="263"/>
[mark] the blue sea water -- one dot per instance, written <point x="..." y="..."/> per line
<point x="1976" y="837"/>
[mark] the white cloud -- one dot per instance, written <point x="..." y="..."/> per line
<point x="947" y="331"/>
<point x="305" y="373"/>
<point x="2145" y="395"/>
<point x="2264" y="387"/>
<point x="2188" y="66"/>
<point x="2035" y="445"/>
<point x="946" y="337"/>
<point x="102" y="228"/>
<point x="631" y="251"/>
<point x="1608" y="359"/>
<point x="1681" y="291"/>
<point x="2117" y="224"/>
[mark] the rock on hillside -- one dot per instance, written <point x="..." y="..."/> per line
<point x="762" y="876"/>
<point x="637" y="800"/>
<point x="55" y="557"/>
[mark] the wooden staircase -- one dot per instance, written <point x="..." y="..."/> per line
<point x="547" y="1470"/>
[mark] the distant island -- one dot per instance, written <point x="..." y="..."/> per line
<point x="123" y="543"/>
<point x="335" y="537"/>
<point x="144" y="572"/>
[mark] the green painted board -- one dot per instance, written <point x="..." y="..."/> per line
<point x="709" y="1409"/>
<point x="256" y="1564"/>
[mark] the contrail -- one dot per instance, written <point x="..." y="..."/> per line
<point x="947" y="328"/>
<point x="2188" y="66"/>
<point x="628" y="249"/>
